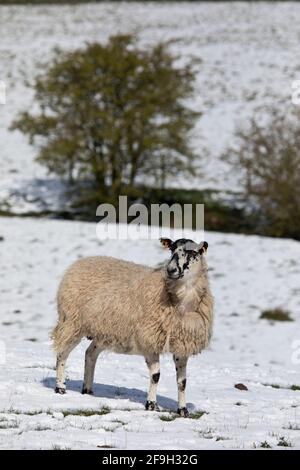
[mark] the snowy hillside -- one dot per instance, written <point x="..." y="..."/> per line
<point x="248" y="275"/>
<point x="248" y="54"/>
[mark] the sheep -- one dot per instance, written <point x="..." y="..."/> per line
<point x="129" y="308"/>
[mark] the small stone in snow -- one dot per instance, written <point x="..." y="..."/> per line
<point x="1" y="238"/>
<point x="241" y="387"/>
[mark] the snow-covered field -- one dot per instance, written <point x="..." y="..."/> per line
<point x="248" y="274"/>
<point x="249" y="56"/>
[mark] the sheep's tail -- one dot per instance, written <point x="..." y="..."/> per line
<point x="65" y="334"/>
<point x="68" y="328"/>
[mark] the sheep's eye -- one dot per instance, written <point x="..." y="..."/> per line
<point x="193" y="253"/>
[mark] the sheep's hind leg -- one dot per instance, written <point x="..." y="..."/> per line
<point x="180" y="364"/>
<point x="61" y="367"/>
<point x="154" y="370"/>
<point x="91" y="357"/>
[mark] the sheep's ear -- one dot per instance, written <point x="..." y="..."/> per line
<point x="166" y="242"/>
<point x="203" y="247"/>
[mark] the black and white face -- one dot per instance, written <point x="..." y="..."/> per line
<point x="186" y="257"/>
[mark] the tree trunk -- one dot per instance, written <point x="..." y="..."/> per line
<point x="163" y="172"/>
<point x="98" y="172"/>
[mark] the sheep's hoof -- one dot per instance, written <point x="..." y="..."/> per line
<point x="151" y="406"/>
<point x="183" y="412"/>
<point x="60" y="390"/>
<point x="86" y="391"/>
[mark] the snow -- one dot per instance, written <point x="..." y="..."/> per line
<point x="247" y="59"/>
<point x="248" y="274"/>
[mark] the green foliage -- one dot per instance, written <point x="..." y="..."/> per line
<point x="268" y="155"/>
<point x="265" y="445"/>
<point x="197" y="414"/>
<point x="168" y="418"/>
<point x="86" y="412"/>
<point x="276" y="314"/>
<point x="283" y="442"/>
<point x="194" y="415"/>
<point x="295" y="388"/>
<point x="273" y="386"/>
<point x="109" y="114"/>
<point x="219" y="215"/>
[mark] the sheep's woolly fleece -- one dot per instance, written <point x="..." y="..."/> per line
<point x="247" y="274"/>
<point x="126" y="308"/>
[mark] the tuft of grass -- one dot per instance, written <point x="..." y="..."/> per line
<point x="265" y="445"/>
<point x="57" y="447"/>
<point x="27" y="413"/>
<point x="86" y="412"/>
<point x="273" y="385"/>
<point x="168" y="418"/>
<point x="8" y="425"/>
<point x="293" y="427"/>
<point x="294" y="387"/>
<point x="198" y="414"/>
<point x="276" y="314"/>
<point x="195" y="415"/>
<point x="283" y="442"/>
<point x="41" y="427"/>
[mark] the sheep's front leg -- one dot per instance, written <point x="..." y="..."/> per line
<point x="154" y="370"/>
<point x="180" y="364"/>
<point x="91" y="357"/>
